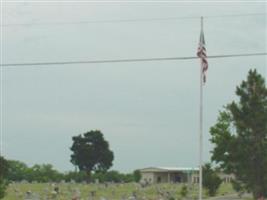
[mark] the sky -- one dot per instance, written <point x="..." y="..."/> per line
<point x="148" y="111"/>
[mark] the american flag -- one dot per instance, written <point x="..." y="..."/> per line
<point x="202" y="54"/>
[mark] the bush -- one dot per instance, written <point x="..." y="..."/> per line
<point x="211" y="181"/>
<point x="184" y="191"/>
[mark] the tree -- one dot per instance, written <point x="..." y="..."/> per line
<point x="239" y="187"/>
<point x="91" y="152"/>
<point x="3" y="174"/>
<point x="17" y="170"/>
<point x="75" y="176"/>
<point x="45" y="173"/>
<point x="240" y="136"/>
<point x="3" y="167"/>
<point x="127" y="178"/>
<point x="113" y="176"/>
<point x="137" y="175"/>
<point x="211" y="181"/>
<point x="3" y="185"/>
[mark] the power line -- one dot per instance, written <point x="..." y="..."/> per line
<point x="126" y="60"/>
<point x="134" y="20"/>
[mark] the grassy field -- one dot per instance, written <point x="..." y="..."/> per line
<point x="68" y="191"/>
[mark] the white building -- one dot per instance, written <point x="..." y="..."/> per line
<point x="169" y="175"/>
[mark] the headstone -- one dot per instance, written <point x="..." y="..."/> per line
<point x="24" y="182"/>
<point x="93" y="193"/>
<point x="76" y="195"/>
<point x="53" y="194"/>
<point x="28" y="195"/>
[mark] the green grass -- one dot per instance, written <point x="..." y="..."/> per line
<point x="16" y="191"/>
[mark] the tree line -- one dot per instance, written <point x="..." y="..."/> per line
<point x="18" y="171"/>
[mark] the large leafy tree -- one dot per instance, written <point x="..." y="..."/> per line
<point x="240" y="136"/>
<point x="91" y="152"/>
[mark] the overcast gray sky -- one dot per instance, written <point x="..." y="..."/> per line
<point x="147" y="111"/>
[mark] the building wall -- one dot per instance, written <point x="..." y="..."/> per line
<point x="191" y="177"/>
<point x="168" y="177"/>
<point x="161" y="177"/>
<point x="154" y="177"/>
<point x="147" y="177"/>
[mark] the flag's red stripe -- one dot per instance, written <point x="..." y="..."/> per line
<point x="201" y="53"/>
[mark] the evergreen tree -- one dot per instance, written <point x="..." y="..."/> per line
<point x="240" y="136"/>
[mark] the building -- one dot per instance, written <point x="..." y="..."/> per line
<point x="226" y="178"/>
<point x="169" y="175"/>
<point x="176" y="175"/>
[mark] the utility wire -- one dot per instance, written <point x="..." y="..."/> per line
<point x="126" y="60"/>
<point x="133" y="20"/>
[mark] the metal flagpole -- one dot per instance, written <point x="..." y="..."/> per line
<point x="201" y="125"/>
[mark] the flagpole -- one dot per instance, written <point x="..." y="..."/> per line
<point x="201" y="125"/>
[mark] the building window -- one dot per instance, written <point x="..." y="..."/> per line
<point x="178" y="179"/>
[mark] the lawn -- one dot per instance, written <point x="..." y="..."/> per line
<point x="67" y="191"/>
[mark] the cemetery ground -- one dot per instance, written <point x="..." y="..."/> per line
<point x="69" y="191"/>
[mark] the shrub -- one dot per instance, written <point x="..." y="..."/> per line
<point x="211" y="181"/>
<point x="184" y="191"/>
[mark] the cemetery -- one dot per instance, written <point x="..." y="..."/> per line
<point x="106" y="191"/>
<point x="100" y="91"/>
